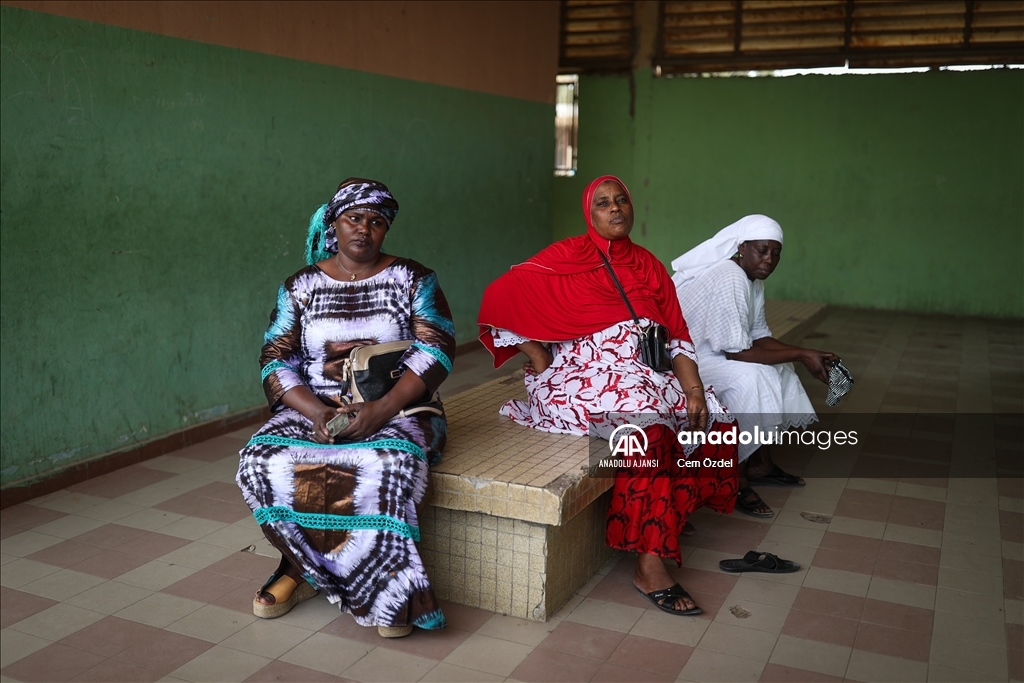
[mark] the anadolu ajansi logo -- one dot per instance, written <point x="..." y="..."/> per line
<point x="628" y="441"/>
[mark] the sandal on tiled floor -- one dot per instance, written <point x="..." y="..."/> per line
<point x="665" y="600"/>
<point x="759" y="562"/>
<point x="303" y="591"/>
<point x="750" y="507"/>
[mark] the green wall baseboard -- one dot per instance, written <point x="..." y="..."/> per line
<point x="62" y="477"/>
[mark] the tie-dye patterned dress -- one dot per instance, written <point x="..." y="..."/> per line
<point x="346" y="513"/>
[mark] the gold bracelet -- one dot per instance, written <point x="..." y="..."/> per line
<point x="697" y="387"/>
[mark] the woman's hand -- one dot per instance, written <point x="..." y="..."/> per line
<point x="539" y="355"/>
<point x="300" y="398"/>
<point x="365" y="419"/>
<point x="531" y="369"/>
<point x="814" y="361"/>
<point x="685" y="371"/>
<point x="696" y="409"/>
<point x="320" y="417"/>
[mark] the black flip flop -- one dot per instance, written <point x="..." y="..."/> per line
<point x="749" y="507"/>
<point x="759" y="562"/>
<point x="777" y="477"/>
<point x="666" y="597"/>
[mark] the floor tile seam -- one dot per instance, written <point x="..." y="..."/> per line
<point x="541" y="646"/>
<point x="110" y="656"/>
<point x="972" y="616"/>
<point x="997" y="646"/>
<point x="10" y="627"/>
<point x="147" y="559"/>
<point x="210" y="498"/>
<point x="896" y="555"/>
<point x="162" y="675"/>
<point x="884" y="654"/>
<point x="874" y="568"/>
<point x="1000" y="594"/>
<point x="729" y="654"/>
<point x="222" y="643"/>
<point x="863" y="649"/>
<point x="846" y="664"/>
<point x="62" y="602"/>
<point x="988" y="574"/>
<point x="758" y="604"/>
<point x="929" y="632"/>
<point x="41" y="533"/>
<point x="830" y="616"/>
<point x="910" y="562"/>
<point x="802" y="545"/>
<point x="882" y="599"/>
<point x="956" y="668"/>
<point x="79" y="649"/>
<point x="464" y="665"/>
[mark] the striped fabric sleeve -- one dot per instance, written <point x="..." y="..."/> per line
<point x="279" y="360"/>
<point x="430" y="355"/>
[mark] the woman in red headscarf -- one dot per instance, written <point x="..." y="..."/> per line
<point x="563" y="310"/>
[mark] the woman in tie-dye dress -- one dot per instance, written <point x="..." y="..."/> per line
<point x="342" y="510"/>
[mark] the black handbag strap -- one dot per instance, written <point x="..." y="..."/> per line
<point x="617" y="284"/>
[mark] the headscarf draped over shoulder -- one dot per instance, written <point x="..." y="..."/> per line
<point x="723" y="245"/>
<point x="565" y="291"/>
<point x="354" y="193"/>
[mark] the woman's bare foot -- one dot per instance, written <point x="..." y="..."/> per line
<point x="651" y="575"/>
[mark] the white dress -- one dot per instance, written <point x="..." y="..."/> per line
<point x="724" y="311"/>
<point x="597" y="382"/>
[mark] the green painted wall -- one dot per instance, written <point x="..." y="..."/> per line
<point x="901" y="192"/>
<point x="155" y="192"/>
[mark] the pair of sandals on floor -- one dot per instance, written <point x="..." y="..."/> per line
<point x="754" y="561"/>
<point x="747" y="501"/>
<point x="287" y="578"/>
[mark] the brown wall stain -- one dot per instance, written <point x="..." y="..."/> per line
<point x="505" y="48"/>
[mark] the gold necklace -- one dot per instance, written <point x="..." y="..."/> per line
<point x="352" y="279"/>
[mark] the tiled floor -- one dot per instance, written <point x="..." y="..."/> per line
<point x="148" y="573"/>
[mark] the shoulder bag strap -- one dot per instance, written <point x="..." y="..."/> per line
<point x="617" y="284"/>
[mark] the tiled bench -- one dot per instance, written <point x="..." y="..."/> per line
<point x="791" y="320"/>
<point x="515" y="525"/>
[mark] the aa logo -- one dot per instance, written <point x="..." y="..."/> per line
<point x="628" y="441"/>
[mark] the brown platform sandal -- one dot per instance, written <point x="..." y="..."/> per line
<point x="303" y="591"/>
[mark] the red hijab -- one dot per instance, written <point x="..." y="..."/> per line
<point x="565" y="291"/>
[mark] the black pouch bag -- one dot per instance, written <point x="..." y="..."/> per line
<point x="654" y="338"/>
<point x="654" y="348"/>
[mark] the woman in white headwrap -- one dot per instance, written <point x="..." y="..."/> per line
<point x="721" y="291"/>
